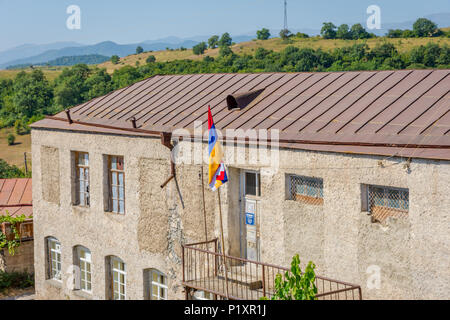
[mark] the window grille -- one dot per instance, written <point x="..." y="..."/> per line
<point x="384" y="202"/>
<point x="306" y="189"/>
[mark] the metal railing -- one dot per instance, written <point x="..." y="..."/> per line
<point x="204" y="270"/>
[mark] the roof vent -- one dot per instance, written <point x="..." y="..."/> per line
<point x="242" y="100"/>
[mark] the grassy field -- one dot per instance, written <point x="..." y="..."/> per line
<point x="275" y="44"/>
<point x="50" y="73"/>
<point x="14" y="154"/>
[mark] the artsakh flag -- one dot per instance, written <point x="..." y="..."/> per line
<point x="217" y="173"/>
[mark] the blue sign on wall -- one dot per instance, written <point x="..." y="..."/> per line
<point x="250" y="219"/>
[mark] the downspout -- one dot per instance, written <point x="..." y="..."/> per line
<point x="166" y="141"/>
<point x="166" y="138"/>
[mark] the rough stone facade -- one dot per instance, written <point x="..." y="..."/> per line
<point x="22" y="260"/>
<point x="411" y="253"/>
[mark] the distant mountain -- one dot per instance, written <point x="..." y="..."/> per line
<point x="38" y="54"/>
<point x="107" y="48"/>
<point x="29" y="50"/>
<point x="68" y="61"/>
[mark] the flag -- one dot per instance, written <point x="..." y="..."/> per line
<point x="217" y="174"/>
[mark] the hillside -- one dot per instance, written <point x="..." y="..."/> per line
<point x="275" y="44"/>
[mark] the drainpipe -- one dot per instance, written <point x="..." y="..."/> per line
<point x="165" y="141"/>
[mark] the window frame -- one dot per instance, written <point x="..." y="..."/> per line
<point x="385" y="204"/>
<point x="84" y="167"/>
<point x="111" y="186"/>
<point x="51" y="253"/>
<point x="158" y="284"/>
<point x="119" y="282"/>
<point x="307" y="197"/>
<point x="80" y="265"/>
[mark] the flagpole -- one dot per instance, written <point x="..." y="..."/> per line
<point x="223" y="244"/>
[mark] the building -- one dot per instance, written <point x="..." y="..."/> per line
<point x="358" y="182"/>
<point x="16" y="200"/>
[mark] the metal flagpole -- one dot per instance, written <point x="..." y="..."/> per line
<point x="204" y="208"/>
<point x="223" y="243"/>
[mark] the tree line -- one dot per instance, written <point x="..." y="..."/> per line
<point x="30" y="96"/>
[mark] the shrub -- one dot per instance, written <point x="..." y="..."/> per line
<point x="296" y="286"/>
<point x="19" y="280"/>
<point x="115" y="59"/>
<point x="11" y="139"/>
<point x="150" y="59"/>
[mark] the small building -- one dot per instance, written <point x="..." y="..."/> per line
<point x="16" y="200"/>
<point x="357" y="181"/>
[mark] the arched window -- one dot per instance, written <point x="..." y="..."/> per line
<point x="118" y="278"/>
<point x="83" y="260"/>
<point x="53" y="258"/>
<point x="156" y="285"/>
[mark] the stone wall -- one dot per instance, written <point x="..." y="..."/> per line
<point x="411" y="253"/>
<point x="22" y="260"/>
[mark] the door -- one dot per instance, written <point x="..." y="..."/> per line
<point x="250" y="215"/>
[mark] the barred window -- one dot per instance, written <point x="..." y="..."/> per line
<point x="117" y="184"/>
<point x="305" y="189"/>
<point x="384" y="202"/>
<point x="82" y="179"/>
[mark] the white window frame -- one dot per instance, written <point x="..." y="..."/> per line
<point x="82" y="264"/>
<point x="83" y="198"/>
<point x="200" y="295"/>
<point x="116" y="284"/>
<point x="158" y="284"/>
<point x="54" y="259"/>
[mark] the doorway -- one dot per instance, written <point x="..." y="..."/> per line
<point x="250" y="214"/>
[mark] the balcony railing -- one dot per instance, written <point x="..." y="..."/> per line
<point x="204" y="270"/>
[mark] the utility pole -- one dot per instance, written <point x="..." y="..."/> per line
<point x="285" y="15"/>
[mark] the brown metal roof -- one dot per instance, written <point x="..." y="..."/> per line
<point x="404" y="113"/>
<point x="15" y="197"/>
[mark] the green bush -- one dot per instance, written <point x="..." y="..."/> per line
<point x="11" y="139"/>
<point x="20" y="280"/>
<point x="295" y="285"/>
<point x="10" y="171"/>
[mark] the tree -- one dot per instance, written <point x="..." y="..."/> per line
<point x="295" y="285"/>
<point x="32" y="93"/>
<point x="150" y="59"/>
<point x="394" y="33"/>
<point x="225" y="40"/>
<point x="343" y="32"/>
<point x="125" y="76"/>
<point x="328" y="30"/>
<point x="301" y="35"/>
<point x="263" y="34"/>
<point x="11" y="139"/>
<point x="213" y="42"/>
<point x="358" y="32"/>
<point x="71" y="88"/>
<point x="285" y="34"/>
<point x="199" y="48"/>
<point x="99" y="83"/>
<point x="139" y="50"/>
<point x="225" y="51"/>
<point x="425" y="28"/>
<point x="115" y="59"/>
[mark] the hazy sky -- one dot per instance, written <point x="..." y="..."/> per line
<point x="128" y="21"/>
